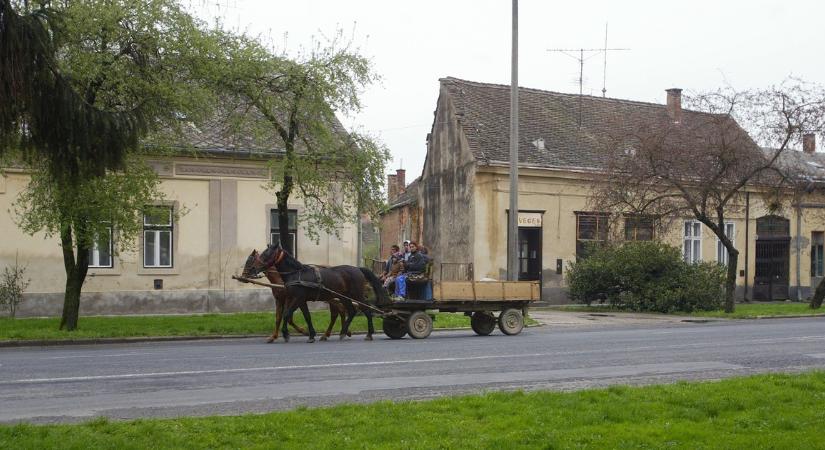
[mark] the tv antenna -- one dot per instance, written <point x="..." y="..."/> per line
<point x="581" y="58"/>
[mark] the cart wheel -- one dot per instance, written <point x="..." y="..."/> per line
<point x="510" y="321"/>
<point x="483" y="323"/>
<point x="419" y="325"/>
<point x="394" y="328"/>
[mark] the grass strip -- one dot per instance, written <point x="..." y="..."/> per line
<point x="186" y="325"/>
<point x="742" y="310"/>
<point x="766" y="411"/>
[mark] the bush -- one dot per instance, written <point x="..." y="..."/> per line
<point x="646" y="276"/>
<point x="12" y="285"/>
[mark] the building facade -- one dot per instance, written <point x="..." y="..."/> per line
<point x="464" y="195"/>
<point x="218" y="210"/>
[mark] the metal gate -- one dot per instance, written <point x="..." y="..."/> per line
<point x="773" y="244"/>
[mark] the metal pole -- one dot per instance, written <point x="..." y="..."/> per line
<point x="512" y="228"/>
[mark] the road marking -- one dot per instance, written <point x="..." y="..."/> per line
<point x="97" y="356"/>
<point x="258" y="369"/>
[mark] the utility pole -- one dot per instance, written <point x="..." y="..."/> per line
<point x="512" y="222"/>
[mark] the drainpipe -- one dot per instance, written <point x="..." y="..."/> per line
<point x="798" y="253"/>
<point x="747" y="239"/>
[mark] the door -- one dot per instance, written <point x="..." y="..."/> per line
<point x="773" y="245"/>
<point x="529" y="254"/>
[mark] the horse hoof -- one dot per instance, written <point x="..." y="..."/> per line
<point x="323" y="338"/>
<point x="349" y="333"/>
<point x="341" y="337"/>
<point x="286" y="338"/>
<point x="311" y="340"/>
<point x="368" y="338"/>
<point x="269" y="341"/>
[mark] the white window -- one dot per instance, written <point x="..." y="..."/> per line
<point x="721" y="251"/>
<point x="100" y="255"/>
<point x="157" y="237"/>
<point x="291" y="241"/>
<point x="692" y="249"/>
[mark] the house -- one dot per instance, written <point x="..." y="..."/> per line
<point x="219" y="209"/>
<point x="402" y="220"/>
<point x="463" y="193"/>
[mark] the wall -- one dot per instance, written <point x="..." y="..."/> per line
<point x="446" y="189"/>
<point x="224" y="214"/>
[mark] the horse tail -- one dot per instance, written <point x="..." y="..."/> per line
<point x="380" y="293"/>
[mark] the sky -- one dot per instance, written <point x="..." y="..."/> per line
<point x="697" y="46"/>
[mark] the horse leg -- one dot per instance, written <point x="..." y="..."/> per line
<point x="284" y="328"/>
<point x="279" y="312"/>
<point x="308" y="318"/>
<point x="351" y="312"/>
<point x="297" y="328"/>
<point x="370" y="328"/>
<point x="333" y="316"/>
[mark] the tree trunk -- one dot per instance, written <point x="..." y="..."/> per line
<point x="730" y="280"/>
<point x="819" y="294"/>
<point x="76" y="270"/>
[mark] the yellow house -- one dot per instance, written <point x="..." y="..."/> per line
<point x="464" y="194"/>
<point x="218" y="193"/>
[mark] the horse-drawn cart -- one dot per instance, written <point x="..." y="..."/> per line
<point x="479" y="300"/>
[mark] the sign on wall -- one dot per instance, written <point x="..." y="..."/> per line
<point x="529" y="219"/>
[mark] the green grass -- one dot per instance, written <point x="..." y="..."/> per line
<point x="742" y="310"/>
<point x="186" y="325"/>
<point x="766" y="411"/>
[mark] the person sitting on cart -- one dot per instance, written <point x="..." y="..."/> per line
<point x="393" y="266"/>
<point x="414" y="267"/>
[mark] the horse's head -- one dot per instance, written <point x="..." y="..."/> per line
<point x="253" y="266"/>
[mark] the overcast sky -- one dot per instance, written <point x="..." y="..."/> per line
<point x="698" y="45"/>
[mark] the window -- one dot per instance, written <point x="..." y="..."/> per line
<point x="638" y="228"/>
<point x="157" y="237"/>
<point x="100" y="255"/>
<point x="817" y="241"/>
<point x="591" y="229"/>
<point x="721" y="251"/>
<point x="692" y="249"/>
<point x="291" y="242"/>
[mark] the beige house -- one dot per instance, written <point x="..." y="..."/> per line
<point x="464" y="194"/>
<point x="218" y="193"/>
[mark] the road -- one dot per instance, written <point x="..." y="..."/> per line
<point x="194" y="378"/>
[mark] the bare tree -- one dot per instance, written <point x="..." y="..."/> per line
<point x="698" y="162"/>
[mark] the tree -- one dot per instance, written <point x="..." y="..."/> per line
<point x="85" y="81"/>
<point x="295" y="100"/>
<point x="699" y="162"/>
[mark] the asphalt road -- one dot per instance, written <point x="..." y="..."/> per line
<point x="65" y="384"/>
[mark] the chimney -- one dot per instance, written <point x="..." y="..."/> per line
<point x="392" y="188"/>
<point x="809" y="143"/>
<point x="674" y="104"/>
<point x="399" y="177"/>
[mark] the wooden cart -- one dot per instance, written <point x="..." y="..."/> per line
<point x="480" y="300"/>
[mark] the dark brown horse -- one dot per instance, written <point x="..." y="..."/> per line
<point x="336" y="309"/>
<point x="310" y="283"/>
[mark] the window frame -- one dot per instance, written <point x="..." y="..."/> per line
<point x="632" y="223"/>
<point x="156" y="229"/>
<point x="721" y="251"/>
<point x="94" y="252"/>
<point x="601" y="233"/>
<point x="293" y="230"/>
<point x="817" y="249"/>
<point x="693" y="238"/>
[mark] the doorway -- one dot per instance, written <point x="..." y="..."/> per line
<point x="529" y="254"/>
<point x="773" y="244"/>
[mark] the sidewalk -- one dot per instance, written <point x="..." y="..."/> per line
<point x="558" y="318"/>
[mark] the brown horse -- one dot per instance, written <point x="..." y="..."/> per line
<point x="336" y="309"/>
<point x="309" y="283"/>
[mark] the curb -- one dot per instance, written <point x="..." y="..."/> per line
<point x="135" y="340"/>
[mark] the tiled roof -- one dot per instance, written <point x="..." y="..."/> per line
<point x="808" y="166"/>
<point x="484" y="113"/>
<point x="409" y="196"/>
<point x="234" y="131"/>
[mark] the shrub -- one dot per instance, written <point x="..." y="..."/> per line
<point x="12" y="285"/>
<point x="646" y="276"/>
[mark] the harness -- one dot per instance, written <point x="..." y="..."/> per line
<point x="317" y="284"/>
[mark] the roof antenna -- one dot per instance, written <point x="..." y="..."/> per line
<point x="581" y="59"/>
